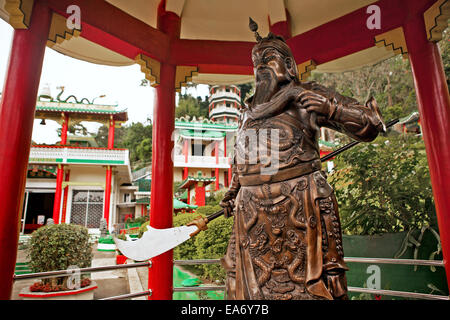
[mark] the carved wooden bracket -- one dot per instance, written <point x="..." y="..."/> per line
<point x="305" y="68"/>
<point x="59" y="31"/>
<point x="19" y="13"/>
<point x="393" y="40"/>
<point x="183" y="75"/>
<point x="151" y="68"/>
<point x="436" y="19"/>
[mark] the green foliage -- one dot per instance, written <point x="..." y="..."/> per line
<point x="186" y="250"/>
<point x="390" y="82"/>
<point x="143" y="228"/>
<point x="139" y="220"/>
<point x="384" y="186"/>
<point x="56" y="247"/>
<point x="444" y="46"/>
<point x="191" y="106"/>
<point x="246" y="91"/>
<point x="75" y="128"/>
<point x="212" y="244"/>
<point x="207" y="210"/>
<point x="136" y="137"/>
<point x="215" y="197"/>
<point x="208" y="244"/>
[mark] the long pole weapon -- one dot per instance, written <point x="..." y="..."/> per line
<point x="156" y="241"/>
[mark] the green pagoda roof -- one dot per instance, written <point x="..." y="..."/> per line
<point x="192" y="179"/>
<point x="204" y="134"/>
<point x="204" y="124"/>
<point x="178" y="205"/>
<point x="328" y="143"/>
<point x="76" y="107"/>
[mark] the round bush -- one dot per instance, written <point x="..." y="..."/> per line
<point x="56" y="247"/>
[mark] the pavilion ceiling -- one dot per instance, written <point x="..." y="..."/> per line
<point x="214" y="38"/>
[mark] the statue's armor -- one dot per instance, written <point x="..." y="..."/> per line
<point x="286" y="241"/>
<point x="297" y="143"/>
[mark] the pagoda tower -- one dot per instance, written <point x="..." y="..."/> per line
<point x="224" y="104"/>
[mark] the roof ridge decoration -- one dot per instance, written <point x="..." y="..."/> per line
<point x="393" y="40"/>
<point x="150" y="67"/>
<point x="19" y="13"/>
<point x="436" y="19"/>
<point x="183" y="75"/>
<point x="59" y="31"/>
<point x="84" y="102"/>
<point x="305" y="68"/>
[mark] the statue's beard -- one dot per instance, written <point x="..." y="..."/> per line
<point x="266" y="86"/>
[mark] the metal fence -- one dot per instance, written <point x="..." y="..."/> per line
<point x="403" y="294"/>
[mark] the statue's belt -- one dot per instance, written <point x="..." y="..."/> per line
<point x="280" y="175"/>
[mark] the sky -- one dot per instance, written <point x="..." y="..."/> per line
<point x="121" y="85"/>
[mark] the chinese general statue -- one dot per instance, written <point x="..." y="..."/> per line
<point x="286" y="241"/>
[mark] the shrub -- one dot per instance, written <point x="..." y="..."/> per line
<point x="186" y="250"/>
<point x="212" y="244"/>
<point x="215" y="198"/>
<point x="142" y="229"/>
<point x="209" y="244"/>
<point x="57" y="247"/>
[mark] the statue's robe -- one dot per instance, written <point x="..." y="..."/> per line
<point x="286" y="241"/>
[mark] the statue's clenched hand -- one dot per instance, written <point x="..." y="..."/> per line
<point x="314" y="102"/>
<point x="227" y="203"/>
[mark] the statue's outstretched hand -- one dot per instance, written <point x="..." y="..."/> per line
<point x="314" y="102"/>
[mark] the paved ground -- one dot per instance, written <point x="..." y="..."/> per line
<point x="110" y="283"/>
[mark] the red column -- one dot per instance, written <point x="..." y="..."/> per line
<point x="185" y="152"/>
<point x="65" y="126"/>
<point x="434" y="107"/>
<point x="112" y="125"/>
<point x="65" y="195"/>
<point x="58" y="193"/>
<point x="17" y="109"/>
<point x="216" y="152"/>
<point x="107" y="194"/>
<point x="230" y="173"/>
<point x="160" y="279"/>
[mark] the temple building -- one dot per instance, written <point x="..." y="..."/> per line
<point x="75" y="180"/>
<point x="204" y="147"/>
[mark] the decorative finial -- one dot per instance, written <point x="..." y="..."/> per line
<point x="254" y="27"/>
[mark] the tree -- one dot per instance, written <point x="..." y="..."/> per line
<point x="246" y="90"/>
<point x="390" y="82"/>
<point x="76" y="128"/>
<point x="384" y="186"/>
<point x="136" y="137"/>
<point x="102" y="136"/>
<point x="444" y="46"/>
<point x="189" y="105"/>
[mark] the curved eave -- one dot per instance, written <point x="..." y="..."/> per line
<point x="218" y="41"/>
<point x="189" y="181"/>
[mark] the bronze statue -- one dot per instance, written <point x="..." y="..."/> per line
<point x="286" y="241"/>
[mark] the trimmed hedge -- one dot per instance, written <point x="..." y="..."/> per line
<point x="58" y="246"/>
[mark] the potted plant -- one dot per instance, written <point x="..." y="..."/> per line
<point x="60" y="247"/>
